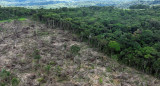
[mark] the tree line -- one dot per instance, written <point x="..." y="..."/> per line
<point x="15" y="12"/>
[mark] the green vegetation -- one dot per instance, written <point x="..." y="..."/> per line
<point x="139" y="6"/>
<point x="114" y="46"/>
<point x="41" y="80"/>
<point x="7" y="78"/>
<point x="101" y="80"/>
<point x="22" y="19"/>
<point x="48" y="68"/>
<point x="42" y="33"/>
<point x="9" y="20"/>
<point x="36" y="55"/>
<point x="15" y="82"/>
<point x="58" y="70"/>
<point x="75" y="49"/>
<point x="6" y="20"/>
<point x="9" y="13"/>
<point x="130" y="36"/>
<point x="1" y="29"/>
<point x="4" y="74"/>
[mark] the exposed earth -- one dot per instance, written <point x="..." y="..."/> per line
<point x="19" y="39"/>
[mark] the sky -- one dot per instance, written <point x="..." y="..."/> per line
<point x="62" y="3"/>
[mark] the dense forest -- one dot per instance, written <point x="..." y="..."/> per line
<point x="14" y="12"/>
<point x="130" y="36"/>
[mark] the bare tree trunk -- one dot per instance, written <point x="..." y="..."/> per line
<point x="17" y="26"/>
<point x="53" y="24"/>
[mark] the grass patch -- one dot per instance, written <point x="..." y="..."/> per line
<point x="100" y="80"/>
<point x="40" y="33"/>
<point x="1" y="29"/>
<point x="9" y="20"/>
<point x="108" y="69"/>
<point x="22" y="19"/>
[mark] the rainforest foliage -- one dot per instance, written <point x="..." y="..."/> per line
<point x="14" y="13"/>
<point x="130" y="35"/>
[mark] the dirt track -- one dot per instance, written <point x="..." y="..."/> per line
<point x="18" y="40"/>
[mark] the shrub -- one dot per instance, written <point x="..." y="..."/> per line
<point x="48" y="68"/>
<point x="15" y="82"/>
<point x="4" y="74"/>
<point x="100" y="80"/>
<point x="75" y="49"/>
<point x="36" y="55"/>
